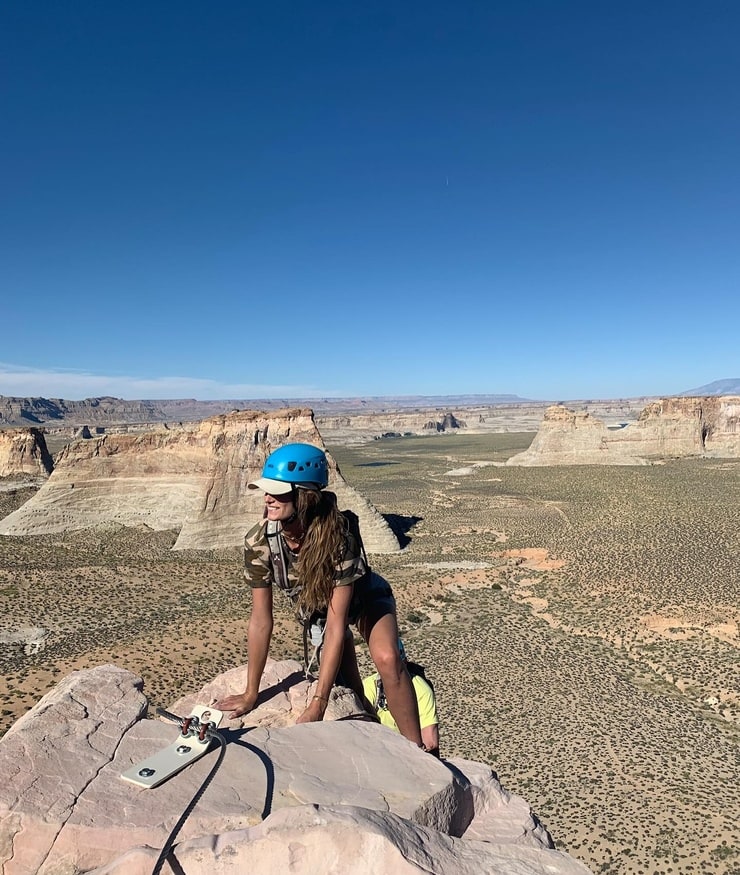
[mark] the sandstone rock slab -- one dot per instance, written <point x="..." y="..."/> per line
<point x="284" y="693"/>
<point x="347" y="841"/>
<point x="53" y="754"/>
<point x="499" y="816"/>
<point x="65" y="808"/>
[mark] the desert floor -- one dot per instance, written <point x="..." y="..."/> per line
<point x="580" y="626"/>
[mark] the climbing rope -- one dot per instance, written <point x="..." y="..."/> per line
<point x="190" y="725"/>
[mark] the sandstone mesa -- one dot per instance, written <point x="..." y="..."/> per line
<point x="669" y="428"/>
<point x="192" y="478"/>
<point x="23" y="455"/>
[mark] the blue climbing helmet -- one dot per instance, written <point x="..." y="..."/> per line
<point x="293" y="465"/>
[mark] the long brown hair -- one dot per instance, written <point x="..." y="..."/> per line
<point x="322" y="548"/>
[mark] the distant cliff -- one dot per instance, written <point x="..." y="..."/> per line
<point x="391" y="423"/>
<point x="668" y="428"/>
<point x="192" y="478"/>
<point x="23" y="454"/>
<point x="91" y="411"/>
<point x="16" y="411"/>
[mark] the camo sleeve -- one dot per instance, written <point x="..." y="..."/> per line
<point x="257" y="566"/>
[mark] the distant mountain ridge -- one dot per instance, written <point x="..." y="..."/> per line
<point x="107" y="410"/>
<point x="18" y="411"/>
<point x="730" y="386"/>
<point x="93" y="411"/>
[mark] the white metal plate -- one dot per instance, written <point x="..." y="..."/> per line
<point x="184" y="750"/>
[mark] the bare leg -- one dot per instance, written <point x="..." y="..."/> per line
<point x="382" y="639"/>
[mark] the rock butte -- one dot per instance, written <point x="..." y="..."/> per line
<point x="23" y="455"/>
<point x="341" y="796"/>
<point x="670" y="428"/>
<point x="192" y="478"/>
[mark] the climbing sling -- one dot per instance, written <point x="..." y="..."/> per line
<point x="314" y="625"/>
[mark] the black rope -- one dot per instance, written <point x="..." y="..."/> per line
<point x="211" y="732"/>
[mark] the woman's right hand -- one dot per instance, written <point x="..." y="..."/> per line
<point x="239" y="704"/>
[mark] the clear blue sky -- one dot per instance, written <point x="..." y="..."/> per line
<point x="287" y="199"/>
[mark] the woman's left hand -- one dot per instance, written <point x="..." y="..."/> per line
<point x="314" y="713"/>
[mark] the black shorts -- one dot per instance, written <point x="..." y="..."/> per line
<point x="372" y="600"/>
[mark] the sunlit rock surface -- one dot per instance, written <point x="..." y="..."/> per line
<point x="669" y="428"/>
<point x="23" y="454"/>
<point x="343" y="795"/>
<point x="192" y="478"/>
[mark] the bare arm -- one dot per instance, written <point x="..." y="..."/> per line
<point x="258" y="646"/>
<point x="430" y="737"/>
<point x="331" y="653"/>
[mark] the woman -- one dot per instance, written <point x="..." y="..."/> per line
<point x="319" y="563"/>
<point x="425" y="699"/>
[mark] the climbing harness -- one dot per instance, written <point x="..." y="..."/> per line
<point x="314" y="625"/>
<point x="381" y="703"/>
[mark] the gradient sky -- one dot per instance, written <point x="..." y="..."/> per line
<point x="286" y="199"/>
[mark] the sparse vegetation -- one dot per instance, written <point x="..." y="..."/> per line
<point x="580" y="626"/>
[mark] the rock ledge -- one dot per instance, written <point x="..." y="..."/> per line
<point x="345" y="795"/>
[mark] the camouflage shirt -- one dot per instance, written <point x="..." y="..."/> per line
<point x="259" y="568"/>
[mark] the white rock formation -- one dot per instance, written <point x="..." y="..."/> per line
<point x="31" y="639"/>
<point x="340" y="796"/>
<point x="23" y="454"/>
<point x="669" y="428"/>
<point x="192" y="478"/>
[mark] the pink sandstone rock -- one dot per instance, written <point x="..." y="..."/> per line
<point x="347" y="841"/>
<point x="347" y="792"/>
<point x="284" y="693"/>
